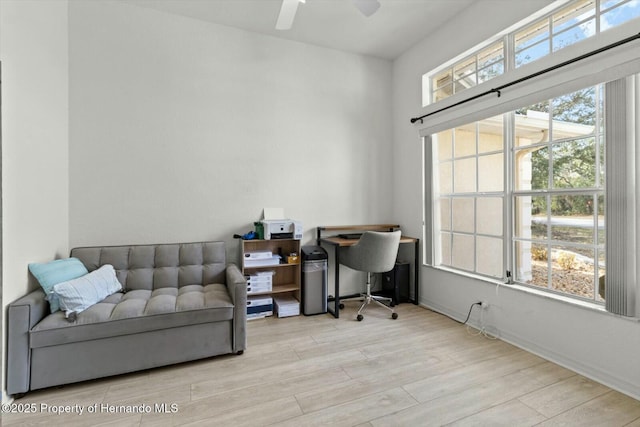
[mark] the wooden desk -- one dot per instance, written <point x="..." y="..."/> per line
<point x="338" y="242"/>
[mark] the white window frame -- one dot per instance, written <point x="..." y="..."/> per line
<point x="622" y="295"/>
<point x="607" y="65"/>
<point x="509" y="47"/>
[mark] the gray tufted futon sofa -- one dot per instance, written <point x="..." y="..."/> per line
<point x="180" y="302"/>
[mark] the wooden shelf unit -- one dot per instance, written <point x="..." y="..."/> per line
<point x="287" y="277"/>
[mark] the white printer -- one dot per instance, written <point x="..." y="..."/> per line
<point x="282" y="229"/>
<point x="275" y="227"/>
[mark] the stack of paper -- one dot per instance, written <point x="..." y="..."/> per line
<point x="259" y="282"/>
<point x="286" y="306"/>
<point x="258" y="307"/>
<point x="262" y="262"/>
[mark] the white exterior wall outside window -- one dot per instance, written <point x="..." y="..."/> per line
<point x="469" y="194"/>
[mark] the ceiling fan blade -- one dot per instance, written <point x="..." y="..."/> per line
<point x="287" y="14"/>
<point x="367" y="7"/>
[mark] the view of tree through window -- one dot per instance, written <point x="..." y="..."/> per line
<point x="559" y="194"/>
<point x="557" y="198"/>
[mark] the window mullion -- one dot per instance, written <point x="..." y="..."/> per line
<point x="475" y="199"/>
<point x="509" y="185"/>
<point x="429" y="200"/>
<point x="598" y="6"/>
<point x="509" y="55"/>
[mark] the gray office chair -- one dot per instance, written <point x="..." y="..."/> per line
<point x="375" y="252"/>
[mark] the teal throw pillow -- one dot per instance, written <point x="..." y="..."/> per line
<point x="51" y="273"/>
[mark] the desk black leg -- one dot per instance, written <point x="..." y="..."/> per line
<point x="336" y="307"/>
<point x="416" y="266"/>
<point x="336" y="301"/>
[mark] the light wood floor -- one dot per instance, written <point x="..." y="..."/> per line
<point x="422" y="369"/>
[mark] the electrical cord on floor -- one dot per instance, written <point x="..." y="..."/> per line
<point x="469" y="314"/>
<point x="481" y="330"/>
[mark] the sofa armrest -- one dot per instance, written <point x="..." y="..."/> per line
<point x="237" y="286"/>
<point x="22" y="315"/>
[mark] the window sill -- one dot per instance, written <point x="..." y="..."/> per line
<point x="571" y="301"/>
<point x="587" y="305"/>
<point x="558" y="297"/>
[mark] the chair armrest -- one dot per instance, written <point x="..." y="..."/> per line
<point x="22" y="315"/>
<point x="237" y="286"/>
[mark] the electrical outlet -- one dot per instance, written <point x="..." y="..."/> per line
<point x="484" y="305"/>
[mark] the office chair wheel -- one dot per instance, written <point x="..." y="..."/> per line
<point x="392" y="304"/>
<point x="341" y="306"/>
<point x="360" y="317"/>
<point x="394" y="315"/>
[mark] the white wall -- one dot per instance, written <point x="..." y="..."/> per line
<point x="34" y="55"/>
<point x="592" y="342"/>
<point x="180" y="130"/>
<point x="183" y="130"/>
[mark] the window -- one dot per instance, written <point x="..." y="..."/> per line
<point x="570" y="23"/>
<point x="558" y="196"/>
<point x="471" y="71"/>
<point x="561" y="29"/>
<point x="616" y="12"/>
<point x="552" y="218"/>
<point x="471" y="197"/>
